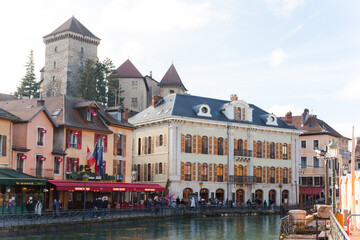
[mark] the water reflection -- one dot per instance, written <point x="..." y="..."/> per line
<point x="241" y="227"/>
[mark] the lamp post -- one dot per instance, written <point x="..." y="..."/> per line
<point x="85" y="178"/>
<point x="333" y="153"/>
<point x="201" y="185"/>
<point x="280" y="186"/>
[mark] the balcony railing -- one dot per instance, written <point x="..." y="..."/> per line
<point x="244" y="179"/>
<point x="285" y="180"/>
<point x="258" y="179"/>
<point x="204" y="178"/>
<point x="43" y="172"/>
<point x="243" y="153"/>
<point x="187" y="177"/>
<point x="220" y="178"/>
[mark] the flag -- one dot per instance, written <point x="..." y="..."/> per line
<point x="93" y="113"/>
<point x="90" y="158"/>
<point x="100" y="160"/>
<point x="95" y="157"/>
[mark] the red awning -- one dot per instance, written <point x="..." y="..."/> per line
<point x="106" y="186"/>
<point x="310" y="190"/>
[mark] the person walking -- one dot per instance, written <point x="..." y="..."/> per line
<point x="38" y="209"/>
<point x="10" y="206"/>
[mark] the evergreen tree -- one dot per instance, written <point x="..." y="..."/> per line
<point x="28" y="84"/>
<point x="114" y="88"/>
<point x="86" y="87"/>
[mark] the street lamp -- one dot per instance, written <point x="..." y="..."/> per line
<point x="201" y="185"/>
<point x="280" y="186"/>
<point x="333" y="153"/>
<point x="85" y="178"/>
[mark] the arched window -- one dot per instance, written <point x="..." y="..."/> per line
<point x="149" y="145"/>
<point x="238" y="114"/>
<point x="220" y="144"/>
<point x="145" y="145"/>
<point x="259" y="149"/>
<point x="139" y="146"/>
<point x="138" y="173"/>
<point x="241" y="170"/>
<point x="220" y="173"/>
<point x="188" y="143"/>
<point x="272" y="175"/>
<point x="259" y="174"/>
<point x="272" y="150"/>
<point x="286" y="176"/>
<point x="240" y="147"/>
<point x="285" y="151"/>
<point x="161" y="140"/>
<point x="204" y="145"/>
<point x="188" y="171"/>
<point x="148" y="172"/>
<point x="204" y="172"/>
<point x="161" y="168"/>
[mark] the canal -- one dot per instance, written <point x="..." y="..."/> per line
<point x="223" y="228"/>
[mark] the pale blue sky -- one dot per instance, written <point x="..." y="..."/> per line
<point x="278" y="54"/>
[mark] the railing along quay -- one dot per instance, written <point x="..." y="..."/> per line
<point x="336" y="230"/>
<point x="53" y="217"/>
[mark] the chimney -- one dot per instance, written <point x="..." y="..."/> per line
<point x="40" y="102"/>
<point x="304" y="116"/>
<point x="125" y="114"/>
<point x="288" y="117"/>
<point x="233" y="97"/>
<point x="24" y="95"/>
<point x="151" y="74"/>
<point x="156" y="99"/>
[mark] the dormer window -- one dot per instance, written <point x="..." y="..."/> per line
<point x="88" y="116"/>
<point x="270" y="119"/>
<point x="202" y="110"/>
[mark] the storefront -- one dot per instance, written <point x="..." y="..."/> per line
<point x="117" y="194"/>
<point x="20" y="188"/>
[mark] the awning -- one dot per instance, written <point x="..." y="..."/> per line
<point x="12" y="177"/>
<point x="106" y="186"/>
<point x="310" y="190"/>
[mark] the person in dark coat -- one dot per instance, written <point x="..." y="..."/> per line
<point x="70" y="205"/>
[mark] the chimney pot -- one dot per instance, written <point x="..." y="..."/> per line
<point x="156" y="99"/>
<point x="233" y="97"/>
<point x="40" y="102"/>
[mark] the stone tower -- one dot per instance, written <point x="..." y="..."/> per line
<point x="67" y="49"/>
<point x="171" y="83"/>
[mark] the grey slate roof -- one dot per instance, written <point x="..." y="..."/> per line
<point x="73" y="25"/>
<point x="181" y="105"/>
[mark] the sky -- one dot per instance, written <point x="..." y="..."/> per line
<point x="281" y="55"/>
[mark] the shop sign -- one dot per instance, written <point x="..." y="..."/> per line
<point x="118" y="189"/>
<point x="149" y="189"/>
<point x="119" y="177"/>
<point x="82" y="189"/>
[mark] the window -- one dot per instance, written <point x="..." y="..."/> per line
<point x="56" y="112"/>
<point x="55" y="49"/>
<point x="259" y="149"/>
<point x="240" y="148"/>
<point x="134" y="84"/>
<point x="285" y="151"/>
<point x="318" y="181"/>
<point x="101" y="141"/>
<point x="119" y="144"/>
<point x="54" y="64"/>
<point x="272" y="174"/>
<point x="220" y="173"/>
<point x="316" y="144"/>
<point x="171" y="91"/>
<point x="149" y="145"/>
<point x="134" y="102"/>
<point x="161" y="140"/>
<point x="204" y="145"/>
<point x="89" y="116"/>
<point x="39" y="165"/>
<point x="139" y="146"/>
<point x="220" y="146"/>
<point x="188" y="171"/>
<point x="259" y="174"/>
<point x="161" y="168"/>
<point x="2" y="145"/>
<point x="272" y="150"/>
<point x="20" y="162"/>
<point x="188" y="143"/>
<point x="303" y="144"/>
<point x="204" y="172"/>
<point x="82" y="49"/>
<point x="138" y="173"/>
<point x="303" y="162"/>
<point x="316" y="162"/>
<point x="286" y="176"/>
<point x="40" y="136"/>
<point x="238" y="114"/>
<point x="57" y="162"/>
<point x="54" y="78"/>
<point x="148" y="172"/>
<point x="73" y="139"/>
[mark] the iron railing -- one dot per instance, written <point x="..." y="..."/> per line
<point x="243" y="153"/>
<point x="244" y="179"/>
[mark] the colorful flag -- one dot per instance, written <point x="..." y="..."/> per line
<point x="100" y="160"/>
<point x="95" y="155"/>
<point x="90" y="158"/>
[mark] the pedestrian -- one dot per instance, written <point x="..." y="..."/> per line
<point x="10" y="206"/>
<point x="265" y="204"/>
<point x="30" y="207"/>
<point x="38" y="209"/>
<point x="177" y="202"/>
<point x="60" y="205"/>
<point x="70" y="205"/>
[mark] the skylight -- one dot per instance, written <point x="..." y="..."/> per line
<point x="57" y="112"/>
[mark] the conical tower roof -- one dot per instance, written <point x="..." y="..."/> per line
<point x="73" y="25"/>
<point x="128" y="70"/>
<point x="171" y="78"/>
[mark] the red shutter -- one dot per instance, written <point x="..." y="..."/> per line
<point x="105" y="143"/>
<point x="68" y="138"/>
<point x="96" y="138"/>
<point x="67" y="164"/>
<point x="104" y="166"/>
<point x="79" y="139"/>
<point x="77" y="164"/>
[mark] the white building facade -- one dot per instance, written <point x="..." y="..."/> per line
<point x="235" y="149"/>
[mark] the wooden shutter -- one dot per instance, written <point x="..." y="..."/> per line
<point x="199" y="172"/>
<point x="255" y="148"/>
<point x="277" y="150"/>
<point x="277" y="175"/>
<point x="124" y="169"/>
<point x="141" y="146"/>
<point x="235" y="113"/>
<point x="164" y="138"/>
<point x="157" y="140"/>
<point x="182" y="143"/>
<point x="146" y="172"/>
<point x="215" y="146"/>
<point x="210" y="172"/>
<point x="194" y="171"/>
<point x="244" y="114"/>
<point x="145" y="145"/>
<point x="245" y="170"/>
<point x="264" y="175"/>
<point x="151" y="171"/>
<point x="79" y="138"/>
<point x="289" y="152"/>
<point x="235" y="144"/>
<point x="3" y="145"/>
<point x="156" y="168"/>
<point x="236" y="170"/>
<point x="268" y="174"/>
<point x="264" y="150"/>
<point x="105" y="143"/>
<point x="245" y="145"/>
<point x="290" y="175"/>
<point x="226" y="146"/>
<point x="194" y="144"/>
<point x="104" y="167"/>
<point x="115" y="143"/>
<point x="124" y="145"/>
<point x="226" y="172"/>
<point x="281" y="151"/>
<point x="77" y="164"/>
<point x="215" y="172"/>
<point x="163" y="168"/>
<point x="182" y="171"/>
<point x="281" y="175"/>
<point x="255" y="174"/>
<point x="141" y="173"/>
<point x="114" y="167"/>
<point x="68" y="164"/>
<point x="268" y="149"/>
<point x="199" y="144"/>
<point x="68" y="138"/>
<point x="152" y="144"/>
<point x="210" y="145"/>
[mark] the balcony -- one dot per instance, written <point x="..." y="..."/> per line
<point x="243" y="155"/>
<point x="47" y="173"/>
<point x="244" y="179"/>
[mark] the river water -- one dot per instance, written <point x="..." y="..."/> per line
<point x="223" y="228"/>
